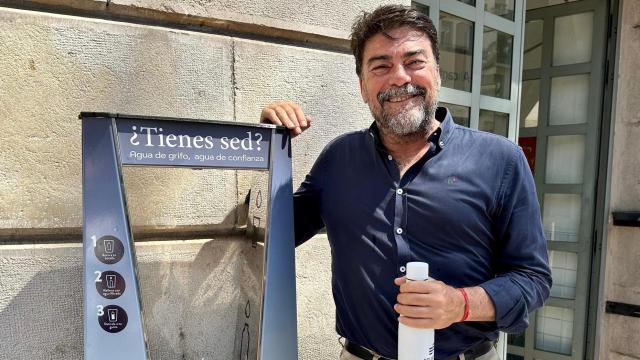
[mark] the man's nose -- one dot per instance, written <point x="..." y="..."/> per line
<point x="399" y="76"/>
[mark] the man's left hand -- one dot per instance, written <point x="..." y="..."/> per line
<point x="429" y="304"/>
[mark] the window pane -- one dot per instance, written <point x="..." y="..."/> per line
<point x="529" y="145"/>
<point x="497" y="48"/>
<point x="420" y="7"/>
<point x="564" y="269"/>
<point x="516" y="339"/>
<point x="460" y="114"/>
<point x="572" y="37"/>
<point x="514" y="357"/>
<point x="554" y="329"/>
<point x="456" y="52"/>
<point x="569" y="100"/>
<point x="561" y="216"/>
<point x="565" y="159"/>
<point x="534" y="4"/>
<point x="530" y="103"/>
<point x="504" y="8"/>
<point x="533" y="44"/>
<point x="468" y="2"/>
<point x="494" y="122"/>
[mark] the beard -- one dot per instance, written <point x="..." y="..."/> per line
<point x="413" y="118"/>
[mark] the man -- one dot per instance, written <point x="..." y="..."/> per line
<point x="417" y="187"/>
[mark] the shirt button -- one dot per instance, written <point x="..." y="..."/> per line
<point x="399" y="191"/>
<point x="389" y="157"/>
<point x="402" y="269"/>
<point x="441" y="143"/>
<point x="399" y="231"/>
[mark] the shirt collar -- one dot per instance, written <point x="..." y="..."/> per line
<point x="438" y="137"/>
<point x="446" y="124"/>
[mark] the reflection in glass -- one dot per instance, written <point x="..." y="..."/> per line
<point x="554" y="329"/>
<point x="569" y="100"/>
<point x="503" y="8"/>
<point x="565" y="159"/>
<point x="494" y="122"/>
<point x="533" y="44"/>
<point x="561" y="216"/>
<point x="564" y="269"/>
<point x="572" y="37"/>
<point x="460" y="114"/>
<point x="515" y="339"/>
<point x="530" y="103"/>
<point x="529" y="144"/>
<point x="534" y="4"/>
<point x="420" y="7"/>
<point x="456" y="52"/>
<point x="497" y="48"/>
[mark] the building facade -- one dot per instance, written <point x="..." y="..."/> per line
<point x="556" y="76"/>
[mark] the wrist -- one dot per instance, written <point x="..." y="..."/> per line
<point x="465" y="312"/>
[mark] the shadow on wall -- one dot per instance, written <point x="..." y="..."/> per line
<point x="193" y="306"/>
<point x="44" y="320"/>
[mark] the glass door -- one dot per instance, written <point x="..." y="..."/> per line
<point x="560" y="118"/>
<point x="542" y="89"/>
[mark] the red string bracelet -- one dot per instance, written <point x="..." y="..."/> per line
<point x="465" y="316"/>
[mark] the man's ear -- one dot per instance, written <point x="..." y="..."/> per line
<point x="363" y="92"/>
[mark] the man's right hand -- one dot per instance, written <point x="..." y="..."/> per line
<point x="288" y="114"/>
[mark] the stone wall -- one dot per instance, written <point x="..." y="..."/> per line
<point x="620" y="334"/>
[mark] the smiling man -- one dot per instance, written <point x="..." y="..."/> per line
<point x="417" y="187"/>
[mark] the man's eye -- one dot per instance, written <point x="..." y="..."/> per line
<point x="416" y="63"/>
<point x="380" y="69"/>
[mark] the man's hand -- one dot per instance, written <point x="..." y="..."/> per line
<point x="428" y="304"/>
<point x="288" y="114"/>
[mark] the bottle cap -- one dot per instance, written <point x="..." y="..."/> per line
<point x="417" y="271"/>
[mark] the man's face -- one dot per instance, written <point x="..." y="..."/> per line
<point x="400" y="80"/>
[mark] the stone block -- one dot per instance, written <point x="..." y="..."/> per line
<point x="323" y="83"/>
<point x="53" y="66"/>
<point x="317" y="337"/>
<point x="625" y="183"/>
<point x="617" y="356"/>
<point x="622" y="336"/>
<point x="192" y="294"/>
<point x="329" y="18"/>
<point x="623" y="251"/>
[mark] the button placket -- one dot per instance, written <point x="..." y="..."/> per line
<point x="402" y="246"/>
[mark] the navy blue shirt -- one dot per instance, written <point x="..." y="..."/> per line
<point x="468" y="208"/>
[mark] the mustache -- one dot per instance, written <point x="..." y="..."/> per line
<point x="407" y="89"/>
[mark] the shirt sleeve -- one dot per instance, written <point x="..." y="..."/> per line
<point x="307" y="203"/>
<point x="523" y="277"/>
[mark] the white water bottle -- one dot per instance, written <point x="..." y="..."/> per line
<point x="414" y="343"/>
